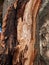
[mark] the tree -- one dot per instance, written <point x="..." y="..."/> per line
<point x="19" y="32"/>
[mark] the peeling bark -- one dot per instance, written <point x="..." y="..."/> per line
<point x="19" y="32"/>
<point x="25" y="35"/>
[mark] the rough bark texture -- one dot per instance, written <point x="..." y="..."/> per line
<point x="43" y="24"/>
<point x="21" y="20"/>
<point x="19" y="43"/>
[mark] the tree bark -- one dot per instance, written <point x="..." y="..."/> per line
<point x="19" y="32"/>
<point x="26" y="34"/>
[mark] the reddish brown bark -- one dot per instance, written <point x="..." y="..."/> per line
<point x="25" y="35"/>
<point x="19" y="24"/>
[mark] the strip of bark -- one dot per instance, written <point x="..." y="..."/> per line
<point x="24" y="34"/>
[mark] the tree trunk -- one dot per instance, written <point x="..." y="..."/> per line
<point x="18" y="36"/>
<point x="26" y="34"/>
